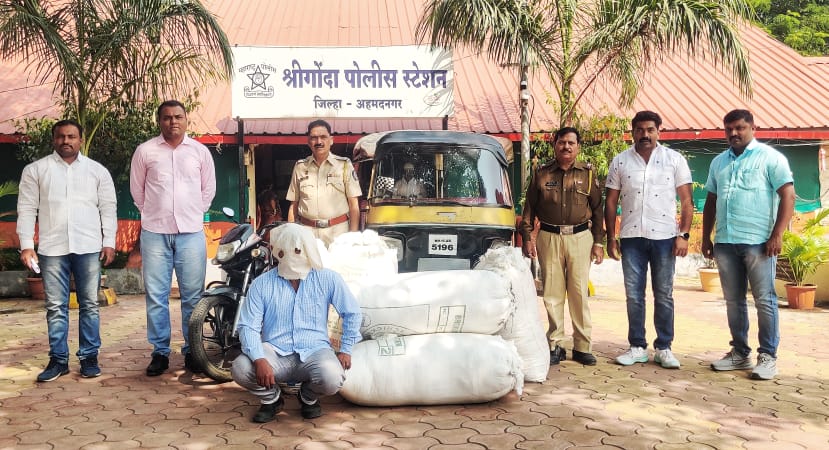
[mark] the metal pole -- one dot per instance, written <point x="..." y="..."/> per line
<point x="524" y="101"/>
<point x="243" y="176"/>
<point x="524" y="98"/>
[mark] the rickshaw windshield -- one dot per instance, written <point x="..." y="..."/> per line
<point x="440" y="174"/>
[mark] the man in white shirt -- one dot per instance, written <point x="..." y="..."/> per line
<point x="647" y="178"/>
<point x="408" y="186"/>
<point x="72" y="198"/>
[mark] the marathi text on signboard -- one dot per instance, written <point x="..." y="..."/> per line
<point x="343" y="82"/>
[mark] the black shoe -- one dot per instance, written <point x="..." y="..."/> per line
<point x="158" y="365"/>
<point x="190" y="364"/>
<point x="311" y="411"/>
<point x="90" y="368"/>
<point x="267" y="413"/>
<point x="585" y="358"/>
<point x="309" y="403"/>
<point x="53" y="370"/>
<point x="557" y="355"/>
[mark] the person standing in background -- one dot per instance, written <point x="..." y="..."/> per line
<point x="172" y="181"/>
<point x="646" y="179"/>
<point x="324" y="190"/>
<point x="566" y="198"/>
<point x="72" y="199"/>
<point x="751" y="200"/>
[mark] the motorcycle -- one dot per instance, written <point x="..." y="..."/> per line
<point x="243" y="254"/>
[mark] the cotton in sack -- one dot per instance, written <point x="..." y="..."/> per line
<point x="432" y="369"/>
<point x="361" y="255"/>
<point x="448" y="301"/>
<point x="524" y="328"/>
<point x="357" y="256"/>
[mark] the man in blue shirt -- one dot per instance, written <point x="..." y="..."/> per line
<point x="751" y="201"/>
<point x="283" y="327"/>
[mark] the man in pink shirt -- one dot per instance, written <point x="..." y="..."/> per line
<point x="172" y="181"/>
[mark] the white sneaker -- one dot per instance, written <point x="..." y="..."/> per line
<point x="632" y="356"/>
<point x="732" y="361"/>
<point x="666" y="359"/>
<point x="766" y="367"/>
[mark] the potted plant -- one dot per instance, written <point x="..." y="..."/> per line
<point x="35" y="282"/>
<point x="801" y="255"/>
<point x="709" y="276"/>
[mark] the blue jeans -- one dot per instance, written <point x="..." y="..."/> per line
<point x="637" y="254"/>
<point x="186" y="253"/>
<point x="86" y="268"/>
<point x="740" y="265"/>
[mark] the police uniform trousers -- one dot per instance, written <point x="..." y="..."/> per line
<point x="565" y="267"/>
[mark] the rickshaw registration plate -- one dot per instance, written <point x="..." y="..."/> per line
<point x="443" y="244"/>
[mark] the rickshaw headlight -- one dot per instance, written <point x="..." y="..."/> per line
<point x="492" y="243"/>
<point x="396" y="244"/>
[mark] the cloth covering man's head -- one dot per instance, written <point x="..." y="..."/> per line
<point x="295" y="248"/>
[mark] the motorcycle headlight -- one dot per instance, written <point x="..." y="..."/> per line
<point x="226" y="251"/>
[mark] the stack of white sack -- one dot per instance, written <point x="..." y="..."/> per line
<point x="523" y="328"/>
<point x="448" y="301"/>
<point x="432" y="369"/>
<point x="432" y="340"/>
<point x="361" y="255"/>
<point x="356" y="256"/>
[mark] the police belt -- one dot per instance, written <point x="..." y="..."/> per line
<point x="323" y="223"/>
<point x="565" y="229"/>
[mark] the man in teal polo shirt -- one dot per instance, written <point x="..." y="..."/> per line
<point x="751" y="201"/>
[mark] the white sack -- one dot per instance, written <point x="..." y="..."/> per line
<point x="524" y="328"/>
<point x="432" y="369"/>
<point x="448" y="301"/>
<point x="356" y="256"/>
<point x="361" y="255"/>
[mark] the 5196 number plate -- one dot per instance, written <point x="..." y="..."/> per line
<point x="443" y="244"/>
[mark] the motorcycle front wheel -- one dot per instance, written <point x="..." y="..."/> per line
<point x="210" y="330"/>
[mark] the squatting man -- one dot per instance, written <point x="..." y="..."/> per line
<point x="283" y="327"/>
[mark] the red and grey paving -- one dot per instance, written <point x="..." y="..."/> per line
<point x="604" y="406"/>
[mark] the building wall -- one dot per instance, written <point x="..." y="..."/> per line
<point x="803" y="159"/>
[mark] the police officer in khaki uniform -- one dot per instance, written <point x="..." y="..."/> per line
<point x="565" y="197"/>
<point x="324" y="188"/>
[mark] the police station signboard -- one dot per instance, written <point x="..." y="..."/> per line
<point x="342" y="82"/>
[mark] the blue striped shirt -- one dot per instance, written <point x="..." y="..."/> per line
<point x="296" y="322"/>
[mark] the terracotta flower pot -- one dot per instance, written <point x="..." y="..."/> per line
<point x="801" y="297"/>
<point x="710" y="280"/>
<point x="36" y="288"/>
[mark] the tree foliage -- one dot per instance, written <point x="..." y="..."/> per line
<point x="598" y="39"/>
<point x="126" y="125"/>
<point x="103" y="54"/>
<point x="602" y="138"/>
<point x="802" y="25"/>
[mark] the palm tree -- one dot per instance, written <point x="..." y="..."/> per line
<point x="591" y="38"/>
<point x="8" y="188"/>
<point x="102" y="52"/>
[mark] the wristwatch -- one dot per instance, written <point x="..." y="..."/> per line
<point x="685" y="235"/>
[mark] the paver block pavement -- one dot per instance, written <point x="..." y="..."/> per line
<point x="603" y="406"/>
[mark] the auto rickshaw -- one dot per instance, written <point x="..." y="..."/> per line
<point x="441" y="198"/>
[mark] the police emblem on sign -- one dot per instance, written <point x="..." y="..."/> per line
<point x="257" y="73"/>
